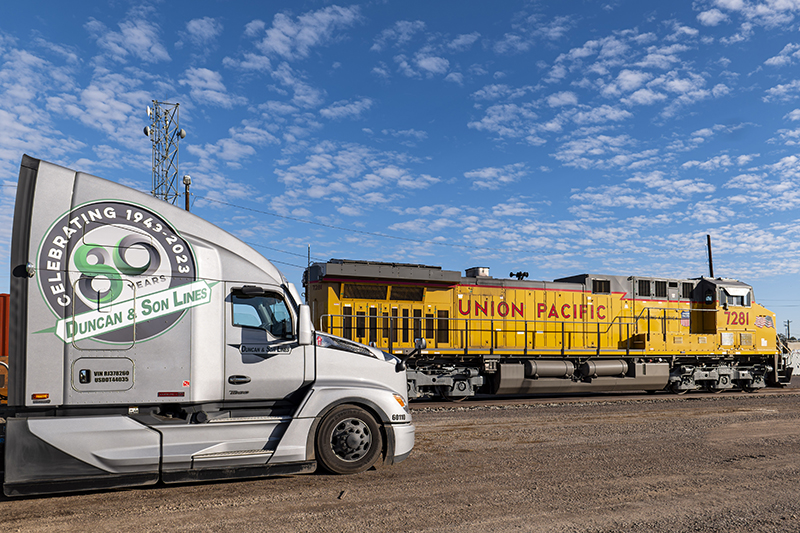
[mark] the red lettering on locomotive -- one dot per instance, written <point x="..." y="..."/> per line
<point x="502" y="309"/>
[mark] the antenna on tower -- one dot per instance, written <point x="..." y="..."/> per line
<point x="165" y="132"/>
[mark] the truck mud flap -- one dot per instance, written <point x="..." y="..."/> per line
<point x="33" y="466"/>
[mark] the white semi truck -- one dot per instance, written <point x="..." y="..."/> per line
<point x="147" y="344"/>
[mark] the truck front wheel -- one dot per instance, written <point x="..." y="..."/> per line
<point x="349" y="440"/>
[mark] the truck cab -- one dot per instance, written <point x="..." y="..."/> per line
<point x="147" y="344"/>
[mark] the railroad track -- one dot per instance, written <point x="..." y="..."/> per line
<point x="597" y="397"/>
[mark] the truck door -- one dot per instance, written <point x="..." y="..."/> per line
<point x="263" y="360"/>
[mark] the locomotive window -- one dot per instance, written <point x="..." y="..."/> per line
<point x="429" y="326"/>
<point x="417" y="324"/>
<point x="360" y="324"/>
<point x="385" y="326"/>
<point x="601" y="286"/>
<point x="405" y="325"/>
<point x="373" y="324"/>
<point x="394" y="325"/>
<point x="644" y="287"/>
<point x="738" y="296"/>
<point x="348" y="322"/>
<point x="661" y="289"/>
<point x="365" y="292"/>
<point x="442" y="326"/>
<point x="686" y="290"/>
<point x="407" y="294"/>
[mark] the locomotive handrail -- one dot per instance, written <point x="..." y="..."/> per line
<point x="567" y="329"/>
<point x="458" y="331"/>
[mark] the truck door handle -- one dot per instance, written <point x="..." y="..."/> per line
<point x="238" y="380"/>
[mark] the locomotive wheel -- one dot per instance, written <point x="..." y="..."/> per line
<point x="349" y="440"/>
<point x="749" y="389"/>
<point x="444" y="396"/>
<point x="455" y="399"/>
<point x="675" y="390"/>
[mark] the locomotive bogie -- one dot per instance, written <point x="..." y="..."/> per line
<point x="585" y="332"/>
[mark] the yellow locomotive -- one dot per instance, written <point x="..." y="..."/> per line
<point x="581" y="333"/>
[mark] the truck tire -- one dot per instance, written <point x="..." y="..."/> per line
<point x="348" y="440"/>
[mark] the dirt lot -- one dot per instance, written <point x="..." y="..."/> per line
<point x="729" y="462"/>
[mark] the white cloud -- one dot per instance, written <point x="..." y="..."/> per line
<point x="787" y="56"/>
<point x="506" y="120"/>
<point x="630" y="80"/>
<point x="498" y="91"/>
<point x="206" y="87"/>
<point x="601" y="114"/>
<point x="408" y="134"/>
<point x="744" y="34"/>
<point x="714" y="163"/>
<point x="711" y="212"/>
<point x="381" y="70"/>
<point x="404" y="67"/>
<point x="455" y="77"/>
<point x="793" y="115"/>
<point x="345" y="109"/>
<point x="347" y="174"/>
<point x="204" y="30"/>
<point x="495" y="177"/>
<point x="463" y="42"/>
<point x="644" y="97"/>
<point x="769" y="13"/>
<point x="137" y="38"/>
<point x="562" y="99"/>
<point x="254" y="28"/>
<point x="712" y="17"/>
<point x="783" y="92"/>
<point x="511" y="43"/>
<point x="402" y="32"/>
<point x="304" y="94"/>
<point x="432" y="64"/>
<point x="294" y="39"/>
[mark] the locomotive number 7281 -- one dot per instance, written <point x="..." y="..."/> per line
<point x="738" y="319"/>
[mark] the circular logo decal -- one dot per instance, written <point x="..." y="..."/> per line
<point x="110" y="268"/>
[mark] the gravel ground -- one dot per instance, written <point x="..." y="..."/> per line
<point x="723" y="463"/>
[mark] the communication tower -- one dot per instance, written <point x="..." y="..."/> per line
<point x="164" y="132"/>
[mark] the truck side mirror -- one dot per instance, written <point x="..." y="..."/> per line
<point x="305" y="335"/>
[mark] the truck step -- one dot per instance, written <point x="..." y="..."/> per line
<point x="250" y="419"/>
<point x="234" y="453"/>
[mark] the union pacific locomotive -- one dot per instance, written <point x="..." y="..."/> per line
<point x="581" y="333"/>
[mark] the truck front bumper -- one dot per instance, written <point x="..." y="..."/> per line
<point x="403" y="442"/>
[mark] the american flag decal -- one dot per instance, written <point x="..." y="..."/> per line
<point x="685" y="318"/>
<point x="764" y="322"/>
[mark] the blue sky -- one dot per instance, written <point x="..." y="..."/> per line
<point x="551" y="137"/>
